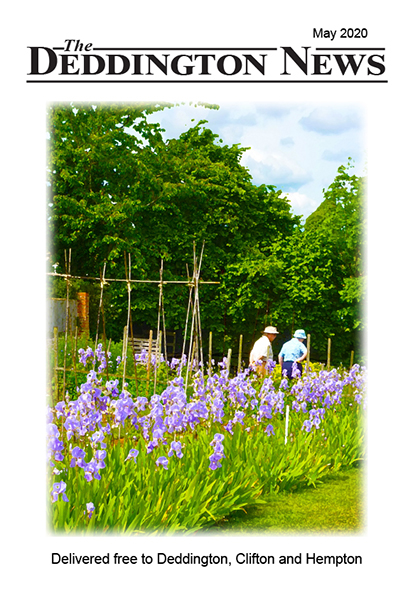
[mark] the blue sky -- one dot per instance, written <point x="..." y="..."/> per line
<point x="296" y="147"/>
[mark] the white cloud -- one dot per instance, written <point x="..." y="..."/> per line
<point x="275" y="169"/>
<point x="290" y="146"/>
<point x="340" y="156"/>
<point x="287" y="141"/>
<point x="329" y="121"/>
<point x="301" y="204"/>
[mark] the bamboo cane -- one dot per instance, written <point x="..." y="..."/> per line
<point x="56" y="363"/>
<point x="191" y="285"/>
<point x="192" y="339"/>
<point x="199" y="325"/>
<point x="102" y="284"/>
<point x="210" y="355"/>
<point x="75" y="355"/>
<point x="124" y="353"/>
<point x="67" y="313"/>
<point x="149" y="360"/>
<point x="108" y="280"/>
<point x="190" y="365"/>
<point x="158" y="325"/>
<point x="128" y="278"/>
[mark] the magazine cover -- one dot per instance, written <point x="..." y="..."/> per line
<point x="208" y="259"/>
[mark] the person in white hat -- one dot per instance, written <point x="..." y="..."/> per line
<point x="292" y="354"/>
<point x="262" y="350"/>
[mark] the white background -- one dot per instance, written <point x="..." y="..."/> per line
<point x="387" y="546"/>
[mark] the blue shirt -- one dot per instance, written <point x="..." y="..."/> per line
<point x="292" y="350"/>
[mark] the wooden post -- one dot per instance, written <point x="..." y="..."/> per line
<point x="329" y="354"/>
<point x="228" y="360"/>
<point x="210" y="355"/>
<point x="351" y="358"/>
<point x="240" y="354"/>
<point x="308" y="345"/>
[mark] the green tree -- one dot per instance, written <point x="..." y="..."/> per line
<point x="117" y="186"/>
<point x="312" y="279"/>
<point x="340" y="222"/>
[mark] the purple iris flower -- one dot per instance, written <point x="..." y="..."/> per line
<point x="295" y="370"/>
<point x="163" y="461"/>
<point x="98" y="437"/>
<point x="218" y="437"/>
<point x="152" y="444"/>
<point x="133" y="453"/>
<point x="90" y="508"/>
<point x="215" y="460"/>
<point x="175" y="448"/>
<point x="77" y="457"/>
<point x="269" y="430"/>
<point x="57" y="489"/>
<point x="229" y="427"/>
<point x="218" y="453"/>
<point x="307" y="425"/>
<point x="284" y="384"/>
<point x="92" y="470"/>
<point x="100" y="456"/>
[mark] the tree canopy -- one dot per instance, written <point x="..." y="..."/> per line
<point x="116" y="186"/>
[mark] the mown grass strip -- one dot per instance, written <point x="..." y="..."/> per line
<point x="334" y="507"/>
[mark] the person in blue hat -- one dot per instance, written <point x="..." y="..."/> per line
<point x="292" y="354"/>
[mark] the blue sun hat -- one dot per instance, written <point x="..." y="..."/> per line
<point x="299" y="333"/>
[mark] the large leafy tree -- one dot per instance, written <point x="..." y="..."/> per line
<point x="342" y="219"/>
<point x="117" y="186"/>
<point x="338" y="225"/>
<point x="312" y="279"/>
<point x="99" y="173"/>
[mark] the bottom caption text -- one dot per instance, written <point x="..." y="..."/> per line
<point x="206" y="560"/>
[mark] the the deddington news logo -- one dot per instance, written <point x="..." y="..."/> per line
<point x="79" y="62"/>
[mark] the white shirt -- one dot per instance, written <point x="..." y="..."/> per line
<point x="261" y="349"/>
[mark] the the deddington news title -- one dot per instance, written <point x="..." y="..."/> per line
<point x="326" y="60"/>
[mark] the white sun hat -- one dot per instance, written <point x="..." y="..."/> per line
<point x="271" y="329"/>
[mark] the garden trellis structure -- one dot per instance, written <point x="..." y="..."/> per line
<point x="193" y="309"/>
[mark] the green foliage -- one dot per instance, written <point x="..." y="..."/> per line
<point x="340" y="222"/>
<point x="116" y="186"/>
<point x="133" y="498"/>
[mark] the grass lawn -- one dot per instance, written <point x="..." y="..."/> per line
<point x="335" y="506"/>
